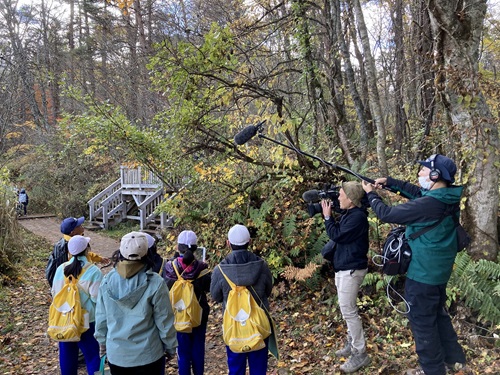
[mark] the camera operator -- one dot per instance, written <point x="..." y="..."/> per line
<point x="350" y="261"/>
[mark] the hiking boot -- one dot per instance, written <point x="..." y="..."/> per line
<point x="346" y="350"/>
<point x="415" y="371"/>
<point x="355" y="362"/>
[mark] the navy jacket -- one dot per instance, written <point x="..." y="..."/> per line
<point x="351" y="236"/>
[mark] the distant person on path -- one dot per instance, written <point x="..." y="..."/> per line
<point x="134" y="317"/>
<point x="191" y="349"/>
<point x="89" y="278"/>
<point x="350" y="261"/>
<point x="433" y="256"/>
<point x="243" y="268"/>
<point x="70" y="227"/>
<point x="24" y="200"/>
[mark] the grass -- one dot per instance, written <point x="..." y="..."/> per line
<point x="121" y="229"/>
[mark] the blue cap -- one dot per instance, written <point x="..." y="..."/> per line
<point x="445" y="165"/>
<point x="69" y="224"/>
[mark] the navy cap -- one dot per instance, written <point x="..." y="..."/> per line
<point x="69" y="224"/>
<point x="445" y="165"/>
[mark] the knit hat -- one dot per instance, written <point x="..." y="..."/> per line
<point x="69" y="224"/>
<point x="354" y="192"/>
<point x="78" y="244"/>
<point x="444" y="164"/>
<point x="134" y="246"/>
<point x="187" y="237"/>
<point x="238" y="235"/>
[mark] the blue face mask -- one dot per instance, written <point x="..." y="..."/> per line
<point x="425" y="183"/>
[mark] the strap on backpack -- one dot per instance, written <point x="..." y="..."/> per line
<point x="449" y="211"/>
<point x="231" y="284"/>
<point x="179" y="275"/>
<point x="252" y="291"/>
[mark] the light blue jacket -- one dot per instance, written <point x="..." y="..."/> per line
<point x="134" y="318"/>
<point x="88" y="284"/>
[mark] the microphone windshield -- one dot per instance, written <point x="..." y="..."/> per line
<point x="311" y="196"/>
<point x="245" y="135"/>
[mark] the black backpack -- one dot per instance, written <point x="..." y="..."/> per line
<point x="396" y="253"/>
<point x="59" y="256"/>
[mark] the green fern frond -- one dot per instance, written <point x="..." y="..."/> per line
<point x="478" y="283"/>
<point x="319" y="243"/>
<point x="489" y="268"/>
<point x="314" y="282"/>
<point x="289" y="226"/>
<point x="295" y="251"/>
<point x="370" y="279"/>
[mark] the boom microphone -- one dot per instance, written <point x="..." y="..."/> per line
<point x="245" y="135"/>
<point x="248" y="133"/>
<point x="311" y="196"/>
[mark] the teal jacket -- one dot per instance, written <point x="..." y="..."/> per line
<point x="134" y="318"/>
<point x="434" y="252"/>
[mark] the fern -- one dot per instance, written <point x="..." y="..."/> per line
<point x="318" y="244"/>
<point x="478" y="282"/>
<point x="289" y="226"/>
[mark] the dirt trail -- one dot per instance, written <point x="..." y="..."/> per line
<point x="49" y="228"/>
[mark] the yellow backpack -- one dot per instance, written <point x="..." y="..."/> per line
<point x="187" y="309"/>
<point x="245" y="324"/>
<point x="67" y="319"/>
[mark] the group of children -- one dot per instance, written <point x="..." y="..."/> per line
<point x="131" y="320"/>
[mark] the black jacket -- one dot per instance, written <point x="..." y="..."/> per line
<point x="350" y="234"/>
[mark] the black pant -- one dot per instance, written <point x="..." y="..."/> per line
<point x="435" y="337"/>
<point x="155" y="368"/>
<point x="25" y="205"/>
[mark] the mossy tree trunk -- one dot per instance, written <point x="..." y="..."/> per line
<point x="457" y="27"/>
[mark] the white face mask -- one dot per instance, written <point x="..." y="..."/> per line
<point x="425" y="182"/>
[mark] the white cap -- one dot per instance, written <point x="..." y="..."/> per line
<point x="187" y="237"/>
<point x="134" y="246"/>
<point x="238" y="235"/>
<point x="78" y="244"/>
<point x="151" y="239"/>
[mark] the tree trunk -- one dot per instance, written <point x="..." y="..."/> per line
<point x="425" y="73"/>
<point x="457" y="36"/>
<point x="399" y="80"/>
<point x="371" y="72"/>
<point x="351" y="81"/>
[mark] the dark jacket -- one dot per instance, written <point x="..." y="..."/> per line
<point x="350" y="234"/>
<point x="201" y="284"/>
<point x="243" y="268"/>
<point x="433" y="253"/>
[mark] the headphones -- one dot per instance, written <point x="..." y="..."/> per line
<point x="435" y="173"/>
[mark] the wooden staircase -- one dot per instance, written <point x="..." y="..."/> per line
<point x="134" y="196"/>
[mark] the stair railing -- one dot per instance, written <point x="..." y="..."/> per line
<point x="95" y="204"/>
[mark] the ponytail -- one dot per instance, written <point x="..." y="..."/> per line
<point x="74" y="268"/>
<point x="188" y="257"/>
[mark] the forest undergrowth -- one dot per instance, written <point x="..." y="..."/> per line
<point x="309" y="323"/>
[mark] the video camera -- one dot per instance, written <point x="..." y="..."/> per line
<point x="313" y="197"/>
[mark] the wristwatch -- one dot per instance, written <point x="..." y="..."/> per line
<point x="327" y="218"/>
